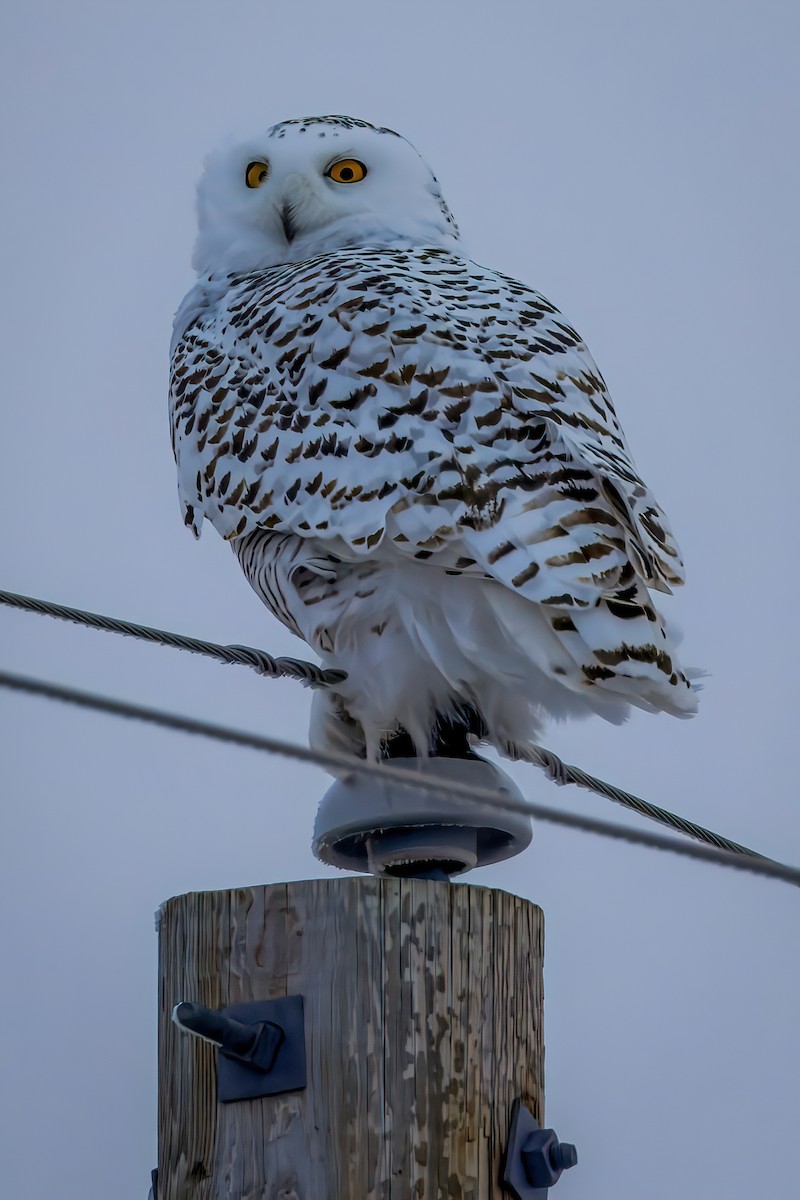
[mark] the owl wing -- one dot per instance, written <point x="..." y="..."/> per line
<point x="412" y="402"/>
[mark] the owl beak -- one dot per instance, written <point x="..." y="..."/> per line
<point x="287" y="221"/>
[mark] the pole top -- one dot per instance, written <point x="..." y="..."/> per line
<point x="390" y="829"/>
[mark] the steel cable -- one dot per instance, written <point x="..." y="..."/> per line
<point x="245" y="656"/>
<point x="343" y="763"/>
<point x="317" y="677"/>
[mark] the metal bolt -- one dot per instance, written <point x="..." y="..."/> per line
<point x="232" y="1035"/>
<point x="534" y="1157"/>
<point x="255" y="1045"/>
<point x="564" y="1155"/>
<point x="544" y="1158"/>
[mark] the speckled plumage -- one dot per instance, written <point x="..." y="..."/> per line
<point x="420" y="470"/>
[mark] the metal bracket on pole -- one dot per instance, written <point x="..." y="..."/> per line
<point x="261" y="1046"/>
<point x="534" y="1157"/>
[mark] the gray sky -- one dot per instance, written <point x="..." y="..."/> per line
<point x="638" y="164"/>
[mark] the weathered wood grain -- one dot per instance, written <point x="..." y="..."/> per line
<point x="423" y="1006"/>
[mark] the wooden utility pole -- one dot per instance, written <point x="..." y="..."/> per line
<point x="423" y="1013"/>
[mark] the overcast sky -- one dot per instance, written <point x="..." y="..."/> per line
<point x="638" y="164"/>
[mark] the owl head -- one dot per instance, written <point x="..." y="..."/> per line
<point x="310" y="186"/>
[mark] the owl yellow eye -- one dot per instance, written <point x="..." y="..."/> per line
<point x="256" y="173"/>
<point x="347" y="170"/>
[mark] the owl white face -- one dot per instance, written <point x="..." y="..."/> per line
<point x="311" y="186"/>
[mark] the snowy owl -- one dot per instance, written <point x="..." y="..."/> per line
<point x="414" y="457"/>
